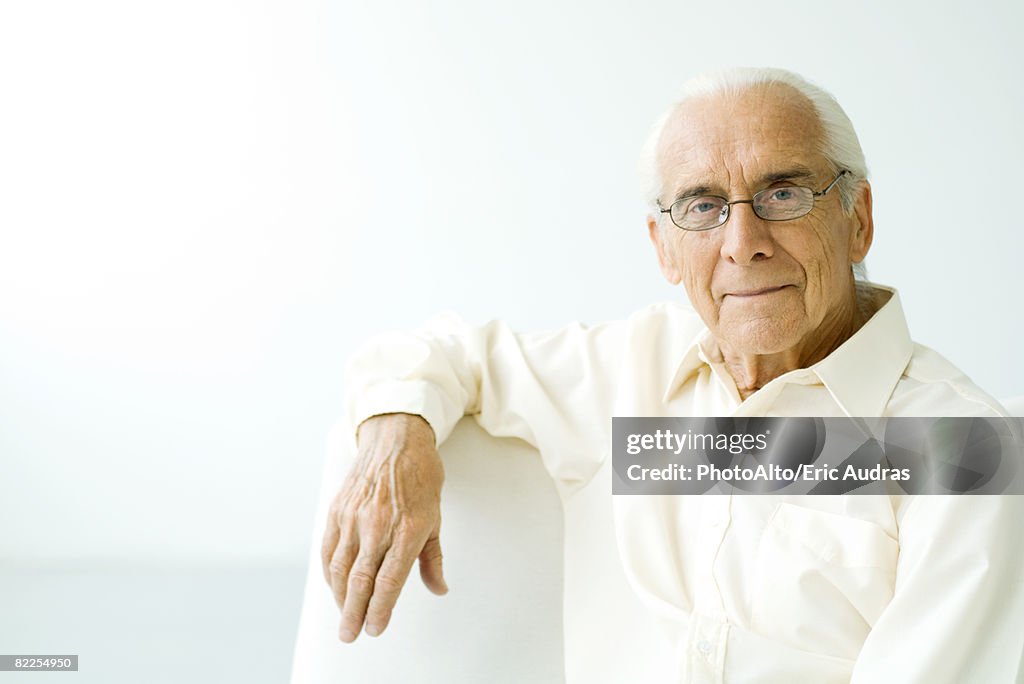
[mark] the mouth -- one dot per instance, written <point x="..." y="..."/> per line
<point x="758" y="292"/>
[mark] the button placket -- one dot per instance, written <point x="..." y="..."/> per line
<point x="719" y="529"/>
<point x="714" y="523"/>
<point x="707" y="639"/>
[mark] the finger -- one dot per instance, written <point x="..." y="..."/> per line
<point x="341" y="564"/>
<point x="394" y="571"/>
<point x="331" y="535"/>
<point x="431" y="570"/>
<point x="358" y="593"/>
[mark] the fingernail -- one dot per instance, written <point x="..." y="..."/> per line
<point x="347" y="635"/>
<point x="372" y="630"/>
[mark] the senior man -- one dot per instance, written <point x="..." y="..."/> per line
<point x="761" y="209"/>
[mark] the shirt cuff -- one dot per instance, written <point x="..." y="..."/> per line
<point x="413" y="396"/>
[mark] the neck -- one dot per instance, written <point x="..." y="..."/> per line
<point x="751" y="372"/>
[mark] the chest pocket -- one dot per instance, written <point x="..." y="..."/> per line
<point x="821" y="579"/>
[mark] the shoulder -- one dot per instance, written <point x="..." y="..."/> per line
<point x="658" y="335"/>
<point x="670" y="317"/>
<point x="659" y="326"/>
<point x="932" y="386"/>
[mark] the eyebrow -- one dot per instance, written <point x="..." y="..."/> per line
<point x="796" y="172"/>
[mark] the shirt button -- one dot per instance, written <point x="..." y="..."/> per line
<point x="704" y="646"/>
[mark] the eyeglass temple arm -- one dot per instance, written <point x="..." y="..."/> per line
<point x="834" y="181"/>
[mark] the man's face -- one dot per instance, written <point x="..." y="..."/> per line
<point x="761" y="287"/>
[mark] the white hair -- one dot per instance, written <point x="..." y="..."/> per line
<point x="839" y="144"/>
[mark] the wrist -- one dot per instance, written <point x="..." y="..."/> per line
<point x="408" y="424"/>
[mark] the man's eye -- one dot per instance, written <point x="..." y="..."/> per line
<point x="703" y="207"/>
<point x="781" y="195"/>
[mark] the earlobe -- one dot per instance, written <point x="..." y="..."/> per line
<point x="668" y="269"/>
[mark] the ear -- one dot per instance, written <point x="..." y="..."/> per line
<point x="668" y="267"/>
<point x="863" y="229"/>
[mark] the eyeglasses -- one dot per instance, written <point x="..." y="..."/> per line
<point x="780" y="203"/>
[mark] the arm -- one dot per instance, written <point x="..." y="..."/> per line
<point x="957" y="613"/>
<point x="407" y="392"/>
<point x="538" y="387"/>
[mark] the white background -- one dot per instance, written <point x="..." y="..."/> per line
<point x="206" y="205"/>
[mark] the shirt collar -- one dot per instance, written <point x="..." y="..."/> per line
<point x="860" y="374"/>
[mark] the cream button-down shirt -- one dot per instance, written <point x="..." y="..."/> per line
<point x="731" y="589"/>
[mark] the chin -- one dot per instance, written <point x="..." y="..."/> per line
<point x="762" y="336"/>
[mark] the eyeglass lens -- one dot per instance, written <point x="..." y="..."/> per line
<point x="772" y="204"/>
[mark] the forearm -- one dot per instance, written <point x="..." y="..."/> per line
<point x="535" y="387"/>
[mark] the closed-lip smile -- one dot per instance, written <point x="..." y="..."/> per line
<point x="756" y="292"/>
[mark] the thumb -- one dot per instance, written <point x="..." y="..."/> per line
<point x="430" y="564"/>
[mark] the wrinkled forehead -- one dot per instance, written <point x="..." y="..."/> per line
<point x="724" y="141"/>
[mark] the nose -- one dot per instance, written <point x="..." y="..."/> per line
<point x="746" y="237"/>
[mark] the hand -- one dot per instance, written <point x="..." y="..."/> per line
<point x="387" y="514"/>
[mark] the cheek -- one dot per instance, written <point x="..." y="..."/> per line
<point x="698" y="257"/>
<point x="834" y="259"/>
<point x="820" y="252"/>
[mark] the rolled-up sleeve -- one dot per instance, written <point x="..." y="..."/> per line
<point x="543" y="388"/>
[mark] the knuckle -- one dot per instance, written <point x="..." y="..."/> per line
<point x="365" y="520"/>
<point x="361" y="580"/>
<point x="388" y="584"/>
<point x="341" y="547"/>
<point x="413" y="521"/>
<point x="339" y="510"/>
<point x="374" y="513"/>
<point x="377" y="534"/>
<point x="342" y="514"/>
<point x="413" y="531"/>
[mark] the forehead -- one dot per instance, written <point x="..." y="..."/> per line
<point x="716" y="141"/>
